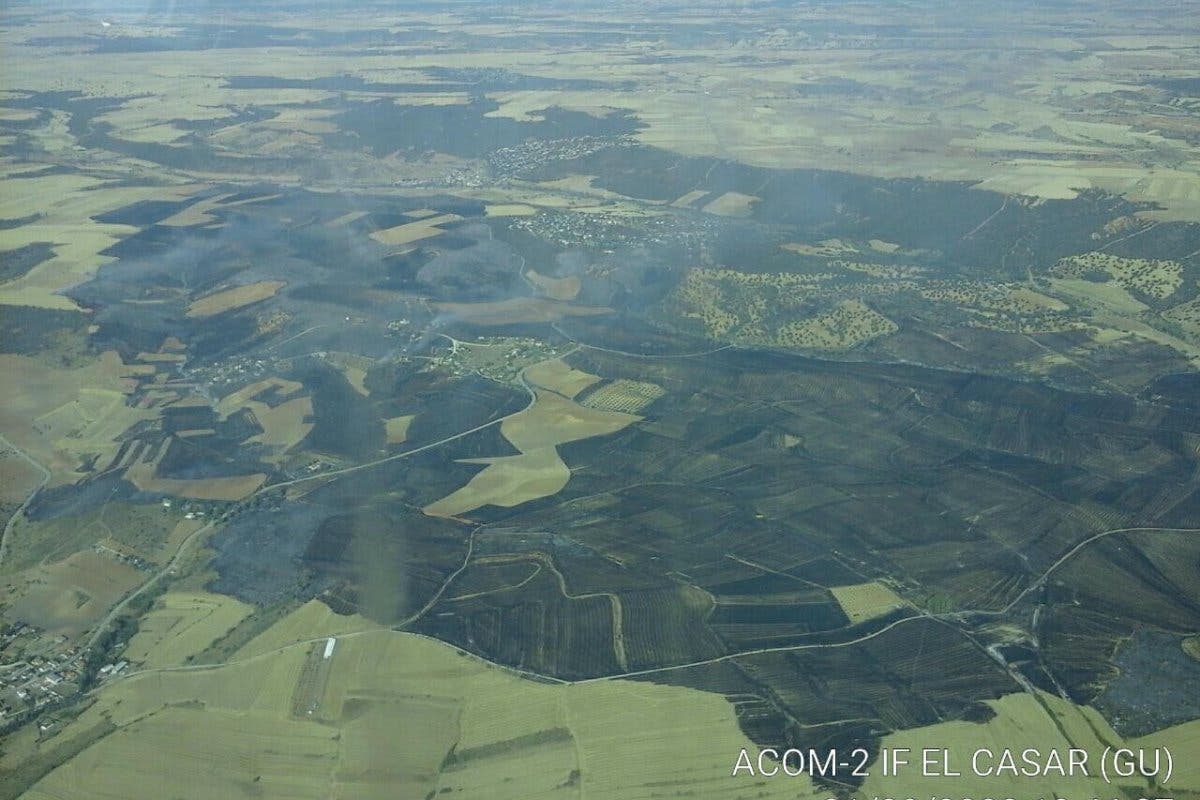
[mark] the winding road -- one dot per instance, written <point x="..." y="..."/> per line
<point x="530" y="674"/>
<point x="20" y="512"/>
<point x="198" y="534"/>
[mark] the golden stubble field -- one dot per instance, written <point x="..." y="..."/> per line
<point x="182" y="624"/>
<point x="144" y="475"/>
<point x="400" y="716"/>
<point x="863" y="601"/>
<point x="236" y="297"/>
<point x="1054" y="117"/>
<point x="538" y="471"/>
<point x="392" y="714"/>
<point x="285" y="425"/>
<point x="1057" y="114"/>
<point x="1042" y="721"/>
<point x="60" y="416"/>
<point x="61" y="208"/>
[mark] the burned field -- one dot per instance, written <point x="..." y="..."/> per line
<point x="677" y="510"/>
<point x="700" y="545"/>
<point x="938" y="273"/>
<point x="857" y="454"/>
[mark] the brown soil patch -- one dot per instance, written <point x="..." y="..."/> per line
<point x="72" y="595"/>
<point x="555" y="288"/>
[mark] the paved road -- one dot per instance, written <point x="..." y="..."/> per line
<point x="20" y="512"/>
<point x="199" y="533"/>
<point x="672" y="667"/>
